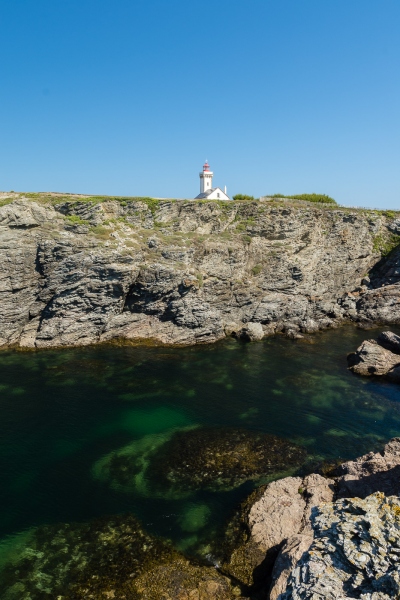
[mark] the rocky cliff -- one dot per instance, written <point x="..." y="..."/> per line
<point x="79" y="270"/>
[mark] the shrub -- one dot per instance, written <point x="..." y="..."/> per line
<point x="242" y="197"/>
<point x="308" y="197"/>
<point x="257" y="269"/>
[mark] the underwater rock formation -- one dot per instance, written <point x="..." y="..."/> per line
<point x="354" y="554"/>
<point x="107" y="558"/>
<point x="76" y="270"/>
<point x="215" y="458"/>
<point x="198" y="458"/>
<point x="377" y="357"/>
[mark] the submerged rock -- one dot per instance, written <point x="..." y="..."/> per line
<point x="355" y="552"/>
<point x="108" y="558"/>
<point x="217" y="459"/>
<point x="183" y="461"/>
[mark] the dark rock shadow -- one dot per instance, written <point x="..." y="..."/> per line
<point x="387" y="482"/>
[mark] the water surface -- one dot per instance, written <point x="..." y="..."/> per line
<point x="63" y="410"/>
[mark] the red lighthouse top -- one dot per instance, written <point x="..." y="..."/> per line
<point x="206" y="166"/>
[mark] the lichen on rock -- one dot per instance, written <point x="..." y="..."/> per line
<point x="354" y="554"/>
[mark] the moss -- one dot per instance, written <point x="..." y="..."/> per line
<point x="256" y="270"/>
<point x="100" y="231"/>
<point x="385" y="244"/>
<point x="76" y="220"/>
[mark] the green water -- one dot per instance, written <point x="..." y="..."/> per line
<point x="64" y="411"/>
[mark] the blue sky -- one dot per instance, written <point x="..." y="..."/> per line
<point x="130" y="97"/>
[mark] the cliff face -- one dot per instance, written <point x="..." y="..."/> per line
<point x="78" y="271"/>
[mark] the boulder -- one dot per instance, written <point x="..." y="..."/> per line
<point x="252" y="332"/>
<point x="354" y="554"/>
<point x="280" y="511"/>
<point x="216" y="458"/>
<point x="390" y="341"/>
<point x="372" y="359"/>
<point x="373" y="472"/>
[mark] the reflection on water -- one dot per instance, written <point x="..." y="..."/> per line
<point x="65" y="412"/>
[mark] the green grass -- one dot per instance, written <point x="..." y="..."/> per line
<point x="385" y="245"/>
<point x="6" y="201"/>
<point x="256" y="270"/>
<point x="243" y="197"/>
<point x="323" y="198"/>
<point x="76" y="220"/>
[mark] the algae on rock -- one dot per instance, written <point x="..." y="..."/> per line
<point x="107" y="558"/>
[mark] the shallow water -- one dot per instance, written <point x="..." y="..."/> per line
<point x="63" y="411"/>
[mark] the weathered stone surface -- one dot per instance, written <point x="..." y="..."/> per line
<point x="75" y="271"/>
<point x="368" y="474"/>
<point x="281" y="511"/>
<point x="390" y="341"/>
<point x="291" y="552"/>
<point x="355" y="552"/>
<point x="252" y="332"/>
<point x="373" y="472"/>
<point x="372" y="359"/>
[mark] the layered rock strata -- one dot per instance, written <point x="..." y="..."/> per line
<point x="78" y="270"/>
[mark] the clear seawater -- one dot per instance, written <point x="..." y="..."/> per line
<point x="63" y="410"/>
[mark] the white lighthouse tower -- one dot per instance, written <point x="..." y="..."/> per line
<point x="207" y="192"/>
<point x="206" y="177"/>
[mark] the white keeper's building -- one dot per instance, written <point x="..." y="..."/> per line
<point x="207" y="192"/>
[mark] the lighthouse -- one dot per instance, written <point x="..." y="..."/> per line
<point x="206" y="177"/>
<point x="207" y="192"/>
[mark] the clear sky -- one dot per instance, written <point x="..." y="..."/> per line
<point x="129" y="97"/>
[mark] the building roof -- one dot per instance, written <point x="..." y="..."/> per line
<point x="205" y="195"/>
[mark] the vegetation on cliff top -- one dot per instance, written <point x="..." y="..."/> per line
<point x="307" y="197"/>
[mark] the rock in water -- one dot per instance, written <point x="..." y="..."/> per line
<point x="108" y="558"/>
<point x="377" y="358"/>
<point x="389" y="340"/>
<point x="219" y="459"/>
<point x="355" y="552"/>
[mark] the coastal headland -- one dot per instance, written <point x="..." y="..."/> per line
<point x="79" y="270"/>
